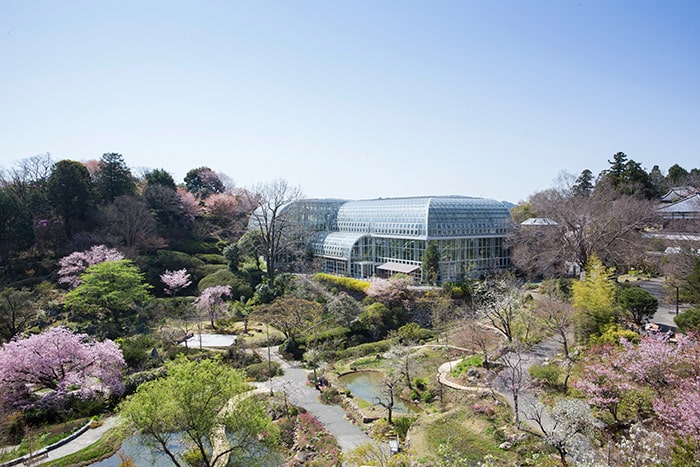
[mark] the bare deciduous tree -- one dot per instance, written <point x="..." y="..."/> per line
<point x="603" y="222"/>
<point x="558" y="317"/>
<point x="391" y="384"/>
<point x="500" y="299"/>
<point x="570" y="418"/>
<point x="512" y="374"/>
<point x="275" y="231"/>
<point x="132" y="225"/>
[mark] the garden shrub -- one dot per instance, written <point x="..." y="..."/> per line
<point x="237" y="357"/>
<point x="193" y="247"/>
<point x="427" y="396"/>
<point x="260" y="371"/>
<point x="347" y="283"/>
<point x="136" y="350"/>
<point x="331" y="396"/>
<point x="336" y="336"/>
<point x="382" y="430"/>
<point x="612" y="335"/>
<point x="475" y="361"/>
<point x="223" y="276"/>
<point x="175" y="260"/>
<point x="366" y="349"/>
<point x="211" y="258"/>
<point x="402" y="424"/>
<point x="688" y="321"/>
<point x="548" y="374"/>
<point x="203" y="271"/>
<point x="457" y="290"/>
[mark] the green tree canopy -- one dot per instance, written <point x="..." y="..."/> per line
<point x="594" y="298"/>
<point x="17" y="311"/>
<point x="677" y="175"/>
<point x="640" y="303"/>
<point x="688" y="321"/>
<point x="204" y="401"/>
<point x="203" y="182"/>
<point x="113" y="178"/>
<point x="160" y="177"/>
<point x="584" y="184"/>
<point x="109" y="294"/>
<point x="628" y="177"/>
<point x="291" y="315"/>
<point x="431" y="263"/>
<point x="16" y="232"/>
<point x="70" y="193"/>
<point x="691" y="288"/>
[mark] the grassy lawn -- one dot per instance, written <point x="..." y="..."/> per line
<point x="105" y="447"/>
<point x="463" y="436"/>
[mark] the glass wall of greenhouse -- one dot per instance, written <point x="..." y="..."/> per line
<point x="379" y="237"/>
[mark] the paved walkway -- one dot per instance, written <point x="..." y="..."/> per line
<point x="667" y="310"/>
<point x="91" y="436"/>
<point x="293" y="383"/>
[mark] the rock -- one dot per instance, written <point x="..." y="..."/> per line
<point x="473" y="372"/>
<point x="505" y="445"/>
<point x="516" y="438"/>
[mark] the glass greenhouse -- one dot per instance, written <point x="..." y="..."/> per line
<point x="381" y="237"/>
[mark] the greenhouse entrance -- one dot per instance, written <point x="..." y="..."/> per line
<point x="387" y="270"/>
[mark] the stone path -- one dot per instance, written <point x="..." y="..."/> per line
<point x="294" y="384"/>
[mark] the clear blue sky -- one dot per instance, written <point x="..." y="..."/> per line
<point x="355" y="99"/>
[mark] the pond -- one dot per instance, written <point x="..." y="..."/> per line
<point x="142" y="455"/>
<point x="369" y="385"/>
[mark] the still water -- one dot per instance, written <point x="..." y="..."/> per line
<point x="141" y="455"/>
<point x="369" y="385"/>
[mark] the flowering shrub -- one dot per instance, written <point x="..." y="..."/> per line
<point x="312" y="438"/>
<point x="486" y="410"/>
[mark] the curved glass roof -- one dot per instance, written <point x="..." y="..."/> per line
<point x="335" y="244"/>
<point x="424" y="217"/>
<point x="312" y="214"/>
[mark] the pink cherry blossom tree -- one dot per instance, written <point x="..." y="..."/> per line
<point x="668" y="372"/>
<point x="392" y="292"/>
<point x="44" y="370"/>
<point x="189" y="203"/>
<point x="212" y="301"/>
<point x="175" y="281"/>
<point x="603" y="380"/>
<point x="73" y="265"/>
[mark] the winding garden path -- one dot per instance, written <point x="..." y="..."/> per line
<point x="538" y="354"/>
<point x="294" y="384"/>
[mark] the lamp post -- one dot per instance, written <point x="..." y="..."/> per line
<point x="677" y="294"/>
<point x="269" y="360"/>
